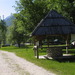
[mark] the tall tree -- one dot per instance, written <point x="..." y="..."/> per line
<point x="32" y="11"/>
<point x="72" y="9"/>
<point x="17" y="31"/>
<point x="3" y="30"/>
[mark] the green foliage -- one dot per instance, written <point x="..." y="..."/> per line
<point x="16" y="37"/>
<point x="17" y="32"/>
<point x="32" y="11"/>
<point x="3" y="25"/>
<point x="3" y="30"/>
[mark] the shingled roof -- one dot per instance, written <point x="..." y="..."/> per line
<point x="54" y="23"/>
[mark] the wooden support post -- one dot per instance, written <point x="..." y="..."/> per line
<point x="37" y="53"/>
<point x="0" y="44"/>
<point x="67" y="43"/>
<point x="48" y="42"/>
<point x="66" y="46"/>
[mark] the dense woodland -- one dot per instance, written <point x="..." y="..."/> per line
<point x="29" y="13"/>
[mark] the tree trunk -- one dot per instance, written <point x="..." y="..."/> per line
<point x="19" y="45"/>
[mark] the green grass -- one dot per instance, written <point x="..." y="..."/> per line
<point x="60" y="68"/>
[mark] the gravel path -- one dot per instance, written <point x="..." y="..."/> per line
<point x="10" y="64"/>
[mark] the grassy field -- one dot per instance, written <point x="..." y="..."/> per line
<point x="60" y="68"/>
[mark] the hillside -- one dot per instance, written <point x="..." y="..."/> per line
<point x="9" y="20"/>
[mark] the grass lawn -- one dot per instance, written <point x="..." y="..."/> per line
<point x="60" y="68"/>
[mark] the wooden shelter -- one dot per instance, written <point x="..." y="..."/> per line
<point x="54" y="24"/>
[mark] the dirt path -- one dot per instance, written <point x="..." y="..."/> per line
<point x="10" y="64"/>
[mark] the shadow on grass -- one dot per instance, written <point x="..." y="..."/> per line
<point x="62" y="59"/>
<point x="65" y="59"/>
<point x="22" y="47"/>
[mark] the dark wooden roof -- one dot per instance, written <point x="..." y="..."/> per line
<point x="54" y="23"/>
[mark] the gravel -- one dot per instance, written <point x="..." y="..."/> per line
<point x="10" y="64"/>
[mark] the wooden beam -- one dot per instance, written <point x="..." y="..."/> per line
<point x="67" y="43"/>
<point x="37" y="53"/>
<point x="66" y="46"/>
